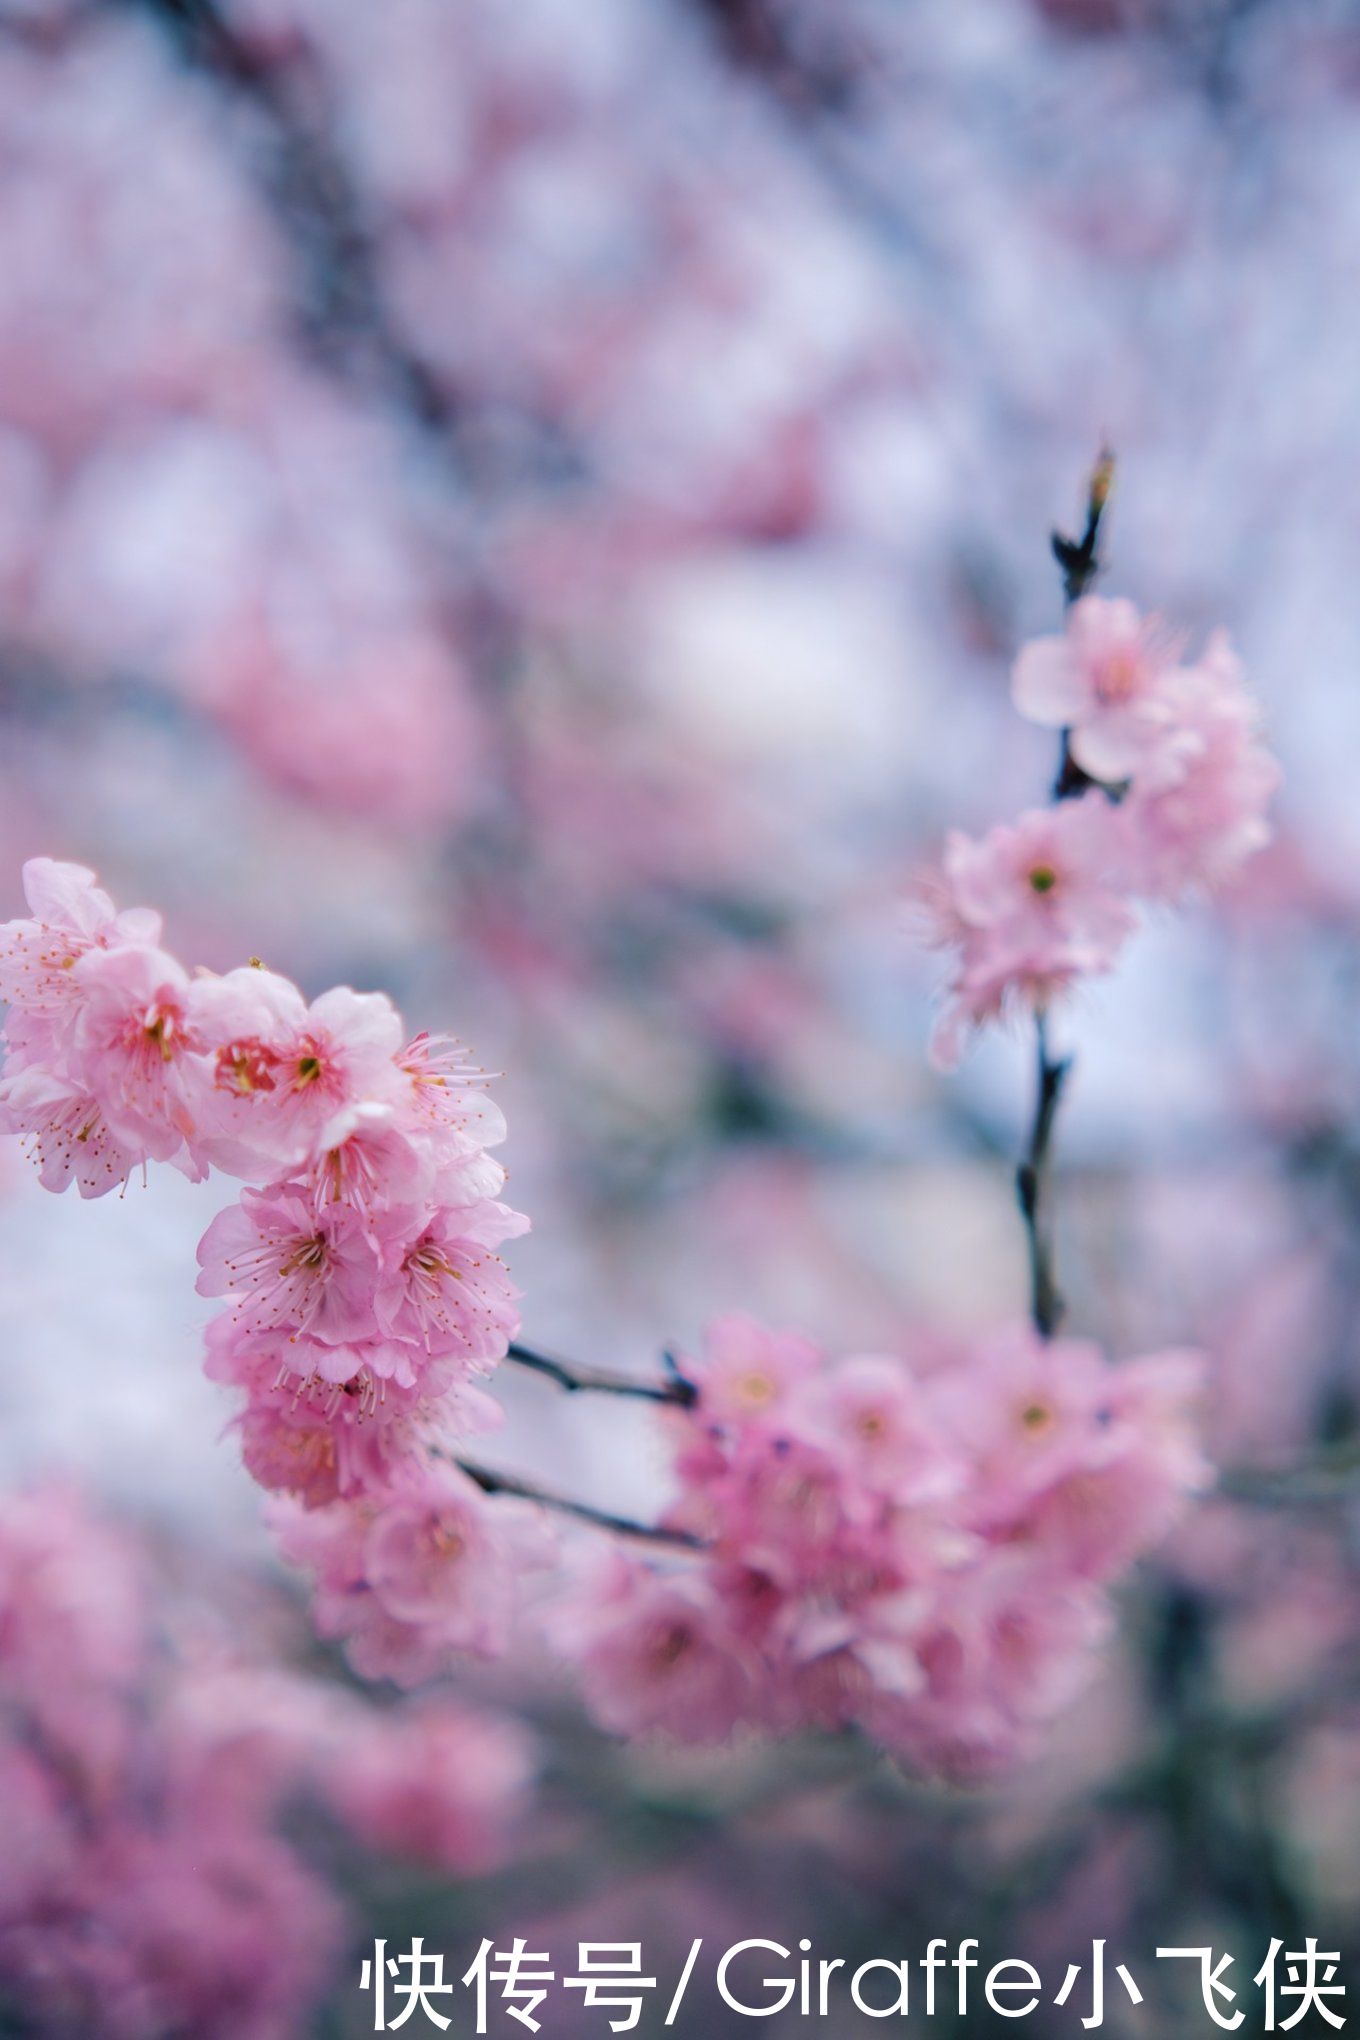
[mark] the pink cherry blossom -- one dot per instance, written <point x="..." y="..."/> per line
<point x="879" y="1421"/>
<point x="368" y="1160"/>
<point x="448" y="1091"/>
<point x="1005" y="1649"/>
<point x="430" y="1567"/>
<point x="657" y="1652"/>
<point x="70" y="916"/>
<point x="921" y="1557"/>
<point x="1027" y="912"/>
<point x="745" y="1373"/>
<point x="283" y="1072"/>
<point x="1104" y="681"/>
<point x="1028" y="1411"/>
<point x="290" y="1266"/>
<point x="435" y="1783"/>
<point x="1198" y="812"/>
<point x="137" y="1044"/>
<point x="62" y="1125"/>
<point x="444" y="1290"/>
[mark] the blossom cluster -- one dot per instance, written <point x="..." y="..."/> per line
<point x="1168" y="782"/>
<point x="365" y="1299"/>
<point x="923" y="1552"/>
<point x="146" y="1884"/>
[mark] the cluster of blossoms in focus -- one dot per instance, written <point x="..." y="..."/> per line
<point x="922" y="1554"/>
<point x="146" y="1884"/>
<point x="1166" y="783"/>
<point x="365" y="1299"/>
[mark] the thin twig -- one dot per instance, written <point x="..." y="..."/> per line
<point x="1079" y="559"/>
<point x="603" y="1519"/>
<point x="600" y="1382"/>
<point x="1031" y="1184"/>
<point x="1331" y="1479"/>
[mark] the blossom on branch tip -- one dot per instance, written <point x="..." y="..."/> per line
<point x="1103" y="680"/>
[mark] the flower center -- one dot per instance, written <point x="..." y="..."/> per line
<point x="159" y="1027"/>
<point x="672" y="1643"/>
<point x="308" y="1254"/>
<point x="1118" y="677"/>
<point x="1043" y="878"/>
<point x="245" y="1067"/>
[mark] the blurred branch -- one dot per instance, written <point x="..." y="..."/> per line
<point x="1331" y="1478"/>
<point x="603" y="1519"/>
<point x="343" y="301"/>
<point x="1079" y="559"/>
<point x="1032" y="1181"/>
<point x="600" y="1382"/>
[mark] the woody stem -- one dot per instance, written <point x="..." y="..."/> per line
<point x="603" y="1519"/>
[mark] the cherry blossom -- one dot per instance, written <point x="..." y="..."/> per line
<point x="1028" y="911"/>
<point x="1104" y="680"/>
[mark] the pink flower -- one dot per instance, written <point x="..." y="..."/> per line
<point x="1007" y="1645"/>
<point x="435" y="1784"/>
<point x="283" y="1071"/>
<point x="291" y="1267"/>
<point x="445" y="1291"/>
<point x="367" y="1159"/>
<point x="70" y="916"/>
<point x="448" y="1091"/>
<point x="921" y="1558"/>
<point x="324" y="1422"/>
<point x="63" y="1126"/>
<point x="1104" y="680"/>
<point x="1028" y="1411"/>
<point x="656" y="1652"/>
<point x="1028" y="910"/>
<point x="745" y="1373"/>
<point x="1133" y="1486"/>
<point x="137" y="1044"/>
<point x="407" y="1578"/>
<point x="879" y="1423"/>
<point x="1198" y="812"/>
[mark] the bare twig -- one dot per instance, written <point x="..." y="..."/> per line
<point x="599" y="1381"/>
<point x="1330" y="1480"/>
<point x="1079" y="559"/>
<point x="1031" y="1185"/>
<point x="603" y="1519"/>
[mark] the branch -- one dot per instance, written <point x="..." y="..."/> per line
<point x="597" y="1380"/>
<point x="1332" y="1478"/>
<point x="603" y="1519"/>
<point x="1031" y="1185"/>
<point x="1079" y="559"/>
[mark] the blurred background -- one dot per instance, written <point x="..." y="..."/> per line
<point x="531" y="508"/>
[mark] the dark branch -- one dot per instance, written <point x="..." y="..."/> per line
<point x="1329" y="1480"/>
<point x="1032" y="1182"/>
<point x="598" y="1381"/>
<point x="1079" y="559"/>
<point x="603" y="1519"/>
